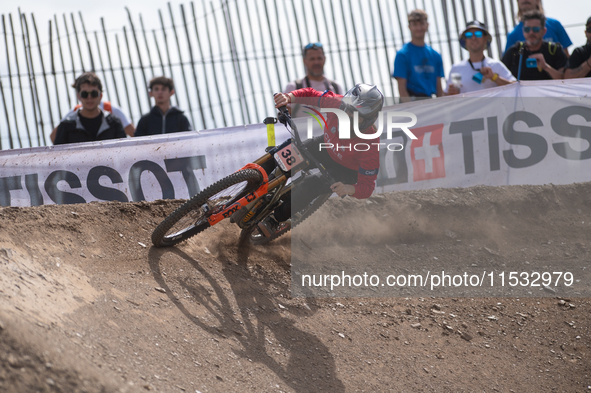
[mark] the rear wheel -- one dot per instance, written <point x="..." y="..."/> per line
<point x="255" y="236"/>
<point x="191" y="218"/>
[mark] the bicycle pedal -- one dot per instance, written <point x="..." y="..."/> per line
<point x="264" y="230"/>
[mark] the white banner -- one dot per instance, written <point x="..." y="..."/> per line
<point x="501" y="136"/>
<point x="134" y="169"/>
<point x="491" y="141"/>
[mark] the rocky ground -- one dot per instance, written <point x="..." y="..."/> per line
<point x="87" y="305"/>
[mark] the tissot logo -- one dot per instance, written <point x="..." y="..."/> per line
<point x="392" y="123"/>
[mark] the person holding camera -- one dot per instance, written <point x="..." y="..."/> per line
<point x="536" y="58"/>
<point x="478" y="72"/>
<point x="555" y="31"/>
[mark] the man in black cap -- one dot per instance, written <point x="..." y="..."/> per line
<point x="579" y="64"/>
<point x="478" y="72"/>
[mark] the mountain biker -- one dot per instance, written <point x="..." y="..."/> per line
<point x="354" y="172"/>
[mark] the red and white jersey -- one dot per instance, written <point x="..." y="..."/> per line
<point x="367" y="163"/>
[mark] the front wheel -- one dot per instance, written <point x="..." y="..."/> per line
<point x="254" y="235"/>
<point x="191" y="218"/>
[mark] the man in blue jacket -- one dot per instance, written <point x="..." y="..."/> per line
<point x="163" y="118"/>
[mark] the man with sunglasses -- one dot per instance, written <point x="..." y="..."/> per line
<point x="478" y="72"/>
<point x="555" y="31"/>
<point x="105" y="106"/>
<point x="89" y="123"/>
<point x="579" y="64"/>
<point x="539" y="59"/>
<point x="314" y="60"/>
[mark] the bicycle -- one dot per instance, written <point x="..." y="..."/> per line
<point x="249" y="195"/>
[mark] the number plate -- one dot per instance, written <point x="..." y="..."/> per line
<point x="288" y="157"/>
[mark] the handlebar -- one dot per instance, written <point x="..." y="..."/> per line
<point x="285" y="118"/>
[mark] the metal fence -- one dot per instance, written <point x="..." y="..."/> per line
<point x="226" y="57"/>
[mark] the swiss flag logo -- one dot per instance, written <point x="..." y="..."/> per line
<point x="426" y="153"/>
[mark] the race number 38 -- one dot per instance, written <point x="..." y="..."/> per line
<point x="288" y="157"/>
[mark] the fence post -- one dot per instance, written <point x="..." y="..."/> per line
<point x="235" y="64"/>
<point x="136" y="87"/>
<point x="110" y="62"/>
<point x="71" y="53"/>
<point x="176" y="97"/>
<point x="139" y="55"/>
<point x="77" y="42"/>
<point x="263" y="51"/>
<point x="124" y="79"/>
<point x="193" y="68"/>
<point x="250" y="72"/>
<point x="264" y="58"/>
<point x="228" y="110"/>
<point x="181" y="64"/>
<point x="384" y="39"/>
<point x="53" y="72"/>
<point x="44" y="74"/>
<point x="147" y="46"/>
<point x="206" y="78"/>
<point x="7" y="118"/>
<point x="32" y="81"/>
<point x="11" y="86"/>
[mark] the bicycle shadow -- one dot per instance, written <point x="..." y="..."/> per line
<point x="263" y="330"/>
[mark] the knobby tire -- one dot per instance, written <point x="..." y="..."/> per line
<point x="191" y="215"/>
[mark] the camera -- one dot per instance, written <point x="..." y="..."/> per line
<point x="478" y="77"/>
<point x="531" y="63"/>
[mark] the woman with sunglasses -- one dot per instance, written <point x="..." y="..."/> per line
<point x="89" y="123"/>
<point x="478" y="72"/>
<point x="555" y="31"/>
<point x="535" y="58"/>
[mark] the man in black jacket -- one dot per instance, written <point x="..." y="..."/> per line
<point x="540" y="59"/>
<point x="89" y="123"/>
<point x="163" y="118"/>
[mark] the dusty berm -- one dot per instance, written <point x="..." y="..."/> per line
<point x="87" y="305"/>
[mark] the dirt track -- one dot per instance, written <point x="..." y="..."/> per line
<point x="87" y="305"/>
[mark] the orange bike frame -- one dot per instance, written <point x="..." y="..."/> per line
<point x="233" y="208"/>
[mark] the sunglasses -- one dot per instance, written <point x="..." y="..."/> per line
<point x="588" y="30"/>
<point x="535" y="29"/>
<point x="477" y="34"/>
<point x="313" y="45"/>
<point x="93" y="93"/>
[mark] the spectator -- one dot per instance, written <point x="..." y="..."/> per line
<point x="579" y="64"/>
<point x="549" y="57"/>
<point x="105" y="106"/>
<point x="418" y="68"/>
<point x="314" y="60"/>
<point x="89" y="122"/>
<point x="163" y="118"/>
<point x="555" y="32"/>
<point x="478" y="72"/>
